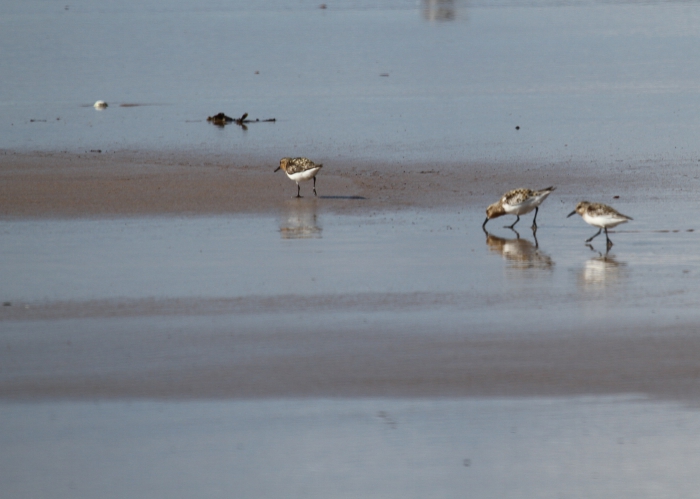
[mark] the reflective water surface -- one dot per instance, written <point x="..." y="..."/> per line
<point x="309" y="253"/>
<point x="603" y="271"/>
<point x="300" y="221"/>
<point x="619" y="447"/>
<point x="519" y="252"/>
<point x="396" y="80"/>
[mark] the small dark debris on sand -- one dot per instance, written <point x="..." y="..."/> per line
<point x="221" y="120"/>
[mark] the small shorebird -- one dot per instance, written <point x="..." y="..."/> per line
<point x="601" y="216"/>
<point x="518" y="202"/>
<point x="300" y="169"/>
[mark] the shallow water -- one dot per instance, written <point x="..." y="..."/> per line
<point x="444" y="257"/>
<point x="590" y="446"/>
<point x="389" y="81"/>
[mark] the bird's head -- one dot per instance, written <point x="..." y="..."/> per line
<point x="495" y="210"/>
<point x="283" y="164"/>
<point x="580" y="208"/>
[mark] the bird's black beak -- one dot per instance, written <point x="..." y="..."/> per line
<point x="572" y="213"/>
<point x="483" y="226"/>
<point x="279" y="167"/>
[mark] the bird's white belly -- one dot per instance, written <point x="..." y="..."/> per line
<point x="603" y="221"/>
<point x="521" y="209"/>
<point x="305" y="175"/>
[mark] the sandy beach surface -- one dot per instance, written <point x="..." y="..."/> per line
<point x="61" y="184"/>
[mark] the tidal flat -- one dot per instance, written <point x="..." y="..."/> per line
<point x="175" y="324"/>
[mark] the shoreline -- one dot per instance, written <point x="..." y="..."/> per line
<point x="116" y="184"/>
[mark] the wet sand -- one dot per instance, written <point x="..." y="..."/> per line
<point x="207" y="348"/>
<point x="188" y="357"/>
<point x="149" y="183"/>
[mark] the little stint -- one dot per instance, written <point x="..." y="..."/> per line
<point x="518" y="202"/>
<point x="300" y="169"/>
<point x="601" y="216"/>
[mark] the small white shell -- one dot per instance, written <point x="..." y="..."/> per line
<point x="100" y="104"/>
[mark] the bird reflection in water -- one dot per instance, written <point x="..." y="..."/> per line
<point x="299" y="220"/>
<point x="520" y="253"/>
<point x="602" y="271"/>
<point x="440" y="10"/>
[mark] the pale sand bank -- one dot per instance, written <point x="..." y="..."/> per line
<point x="151" y="183"/>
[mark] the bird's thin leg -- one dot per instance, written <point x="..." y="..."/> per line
<point x="534" y="220"/>
<point x="594" y="235"/>
<point x="516" y="221"/>
<point x="298" y="190"/>
<point x="607" y="239"/>
<point x="314" y="186"/>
